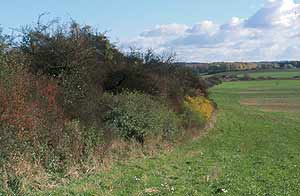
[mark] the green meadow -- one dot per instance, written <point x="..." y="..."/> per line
<point x="253" y="149"/>
<point x="277" y="74"/>
<point x="274" y="74"/>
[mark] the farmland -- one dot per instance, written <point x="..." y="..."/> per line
<point x="277" y="74"/>
<point x="147" y="98"/>
<point x="251" y="151"/>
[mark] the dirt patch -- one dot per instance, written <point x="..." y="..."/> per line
<point x="273" y="104"/>
<point x="265" y="91"/>
<point x="249" y="102"/>
<point x="283" y="108"/>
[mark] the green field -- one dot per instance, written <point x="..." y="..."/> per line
<point x="274" y="74"/>
<point x="263" y="73"/>
<point x="253" y="150"/>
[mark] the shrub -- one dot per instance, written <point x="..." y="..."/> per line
<point x="212" y="81"/>
<point x="77" y="57"/>
<point x="55" y="106"/>
<point x="155" y="75"/>
<point x="19" y="117"/>
<point x="77" y="144"/>
<point x="200" y="105"/>
<point x="80" y="141"/>
<point x="137" y="116"/>
<point x="32" y="122"/>
<point x="3" y="45"/>
<point x="197" y="110"/>
<point x="246" y="77"/>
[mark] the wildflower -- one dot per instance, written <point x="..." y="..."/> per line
<point x="136" y="178"/>
<point x="224" y="190"/>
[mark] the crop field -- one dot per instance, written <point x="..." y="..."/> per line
<point x="252" y="150"/>
<point x="283" y="74"/>
<point x="274" y="74"/>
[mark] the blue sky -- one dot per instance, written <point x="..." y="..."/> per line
<point x="126" y="18"/>
<point x="197" y="30"/>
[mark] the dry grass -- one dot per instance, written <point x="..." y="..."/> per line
<point x="32" y="174"/>
<point x="273" y="104"/>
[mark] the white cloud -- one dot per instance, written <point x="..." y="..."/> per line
<point x="272" y="33"/>
<point x="275" y="13"/>
<point x="165" y="30"/>
<point x="205" y="27"/>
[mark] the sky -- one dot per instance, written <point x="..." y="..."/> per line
<point x="197" y="30"/>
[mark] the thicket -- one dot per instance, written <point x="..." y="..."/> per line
<point x="66" y="92"/>
<point x="140" y="116"/>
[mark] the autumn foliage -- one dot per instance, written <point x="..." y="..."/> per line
<point x="200" y="105"/>
<point x="29" y="104"/>
<point x="66" y="93"/>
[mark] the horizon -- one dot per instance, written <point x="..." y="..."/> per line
<point x="279" y="61"/>
<point x="197" y="31"/>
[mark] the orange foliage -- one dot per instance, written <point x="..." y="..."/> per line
<point x="25" y="103"/>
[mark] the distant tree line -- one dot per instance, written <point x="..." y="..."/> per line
<point x="219" y="67"/>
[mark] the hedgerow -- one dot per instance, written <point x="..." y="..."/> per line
<point x="138" y="116"/>
<point x="66" y="92"/>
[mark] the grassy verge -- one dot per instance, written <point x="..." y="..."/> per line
<point x="249" y="152"/>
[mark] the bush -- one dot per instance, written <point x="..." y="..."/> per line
<point x="137" y="116"/>
<point x="77" y="57"/>
<point x="77" y="144"/>
<point x="55" y="102"/>
<point x="32" y="122"/>
<point x="156" y="75"/>
<point x="212" y="81"/>
<point x="79" y="141"/>
<point x="197" y="111"/>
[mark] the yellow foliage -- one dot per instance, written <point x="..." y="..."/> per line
<point x="200" y="105"/>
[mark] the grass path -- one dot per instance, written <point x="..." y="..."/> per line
<point x="249" y="152"/>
